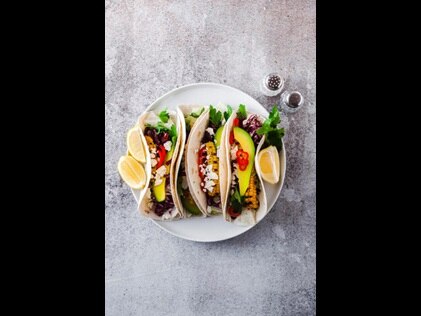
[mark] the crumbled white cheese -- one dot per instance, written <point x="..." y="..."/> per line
<point x="167" y="145"/>
<point x="209" y="185"/>
<point x="210" y="131"/>
<point x="184" y="184"/>
<point x="153" y="155"/>
<point x="234" y="152"/>
<point x="161" y="171"/>
<point x="153" y="162"/>
<point x="213" y="176"/>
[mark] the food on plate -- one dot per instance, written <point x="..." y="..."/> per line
<point x="132" y="172"/>
<point x="203" y="164"/>
<point x="161" y="132"/>
<point x="188" y="115"/>
<point x="244" y="200"/>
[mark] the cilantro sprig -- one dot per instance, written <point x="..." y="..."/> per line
<point x="164" y="116"/>
<point x="241" y="112"/>
<point x="228" y="112"/>
<point x="215" y="116"/>
<point x="269" y="128"/>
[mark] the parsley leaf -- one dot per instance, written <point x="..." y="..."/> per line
<point x="275" y="138"/>
<point x="164" y="116"/>
<point x="269" y="128"/>
<point x="274" y="116"/>
<point x="197" y="114"/>
<point x="241" y="112"/>
<point x="228" y="112"/>
<point x="215" y="116"/>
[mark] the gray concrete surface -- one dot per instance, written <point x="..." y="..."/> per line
<point x="155" y="46"/>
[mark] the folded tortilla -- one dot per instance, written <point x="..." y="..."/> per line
<point x="192" y="167"/>
<point x="248" y="217"/>
<point x="146" y="206"/>
<point x="183" y="110"/>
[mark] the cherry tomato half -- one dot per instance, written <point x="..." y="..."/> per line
<point x="161" y="153"/>
<point x="231" y="138"/>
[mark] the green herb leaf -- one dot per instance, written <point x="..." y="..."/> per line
<point x="228" y="112"/>
<point x="269" y="128"/>
<point x="241" y="112"/>
<point x="275" y="138"/>
<point x="164" y="116"/>
<point x="274" y="117"/>
<point x="197" y="114"/>
<point x="215" y="116"/>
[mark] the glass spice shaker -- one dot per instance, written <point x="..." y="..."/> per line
<point x="291" y="101"/>
<point x="272" y="84"/>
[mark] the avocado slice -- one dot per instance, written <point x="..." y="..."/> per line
<point x="159" y="191"/>
<point x="189" y="204"/>
<point x="186" y="199"/>
<point x="218" y="136"/>
<point x="246" y="143"/>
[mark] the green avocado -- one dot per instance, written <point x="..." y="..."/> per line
<point x="246" y="143"/>
<point x="189" y="204"/>
<point x="159" y="191"/>
<point x="186" y="199"/>
<point x="218" y="136"/>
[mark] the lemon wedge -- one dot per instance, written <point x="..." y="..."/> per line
<point x="268" y="160"/>
<point x="132" y="172"/>
<point x="135" y="145"/>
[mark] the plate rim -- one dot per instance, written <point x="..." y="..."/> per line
<point x="158" y="223"/>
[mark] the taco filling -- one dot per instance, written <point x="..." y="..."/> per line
<point x="182" y="185"/>
<point x="245" y="186"/>
<point x="208" y="159"/>
<point x="161" y="138"/>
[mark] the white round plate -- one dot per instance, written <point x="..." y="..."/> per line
<point x="209" y="229"/>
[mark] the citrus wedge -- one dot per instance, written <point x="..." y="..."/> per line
<point x="132" y="172"/>
<point x="268" y="161"/>
<point x="135" y="145"/>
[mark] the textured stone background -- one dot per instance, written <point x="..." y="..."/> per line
<point x="155" y="46"/>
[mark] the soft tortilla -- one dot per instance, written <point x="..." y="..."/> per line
<point x="144" y="199"/>
<point x="181" y="111"/>
<point x="192" y="170"/>
<point x="247" y="217"/>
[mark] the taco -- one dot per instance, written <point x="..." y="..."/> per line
<point x="203" y="166"/>
<point x="188" y="115"/>
<point x="162" y="136"/>
<point x="244" y="200"/>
